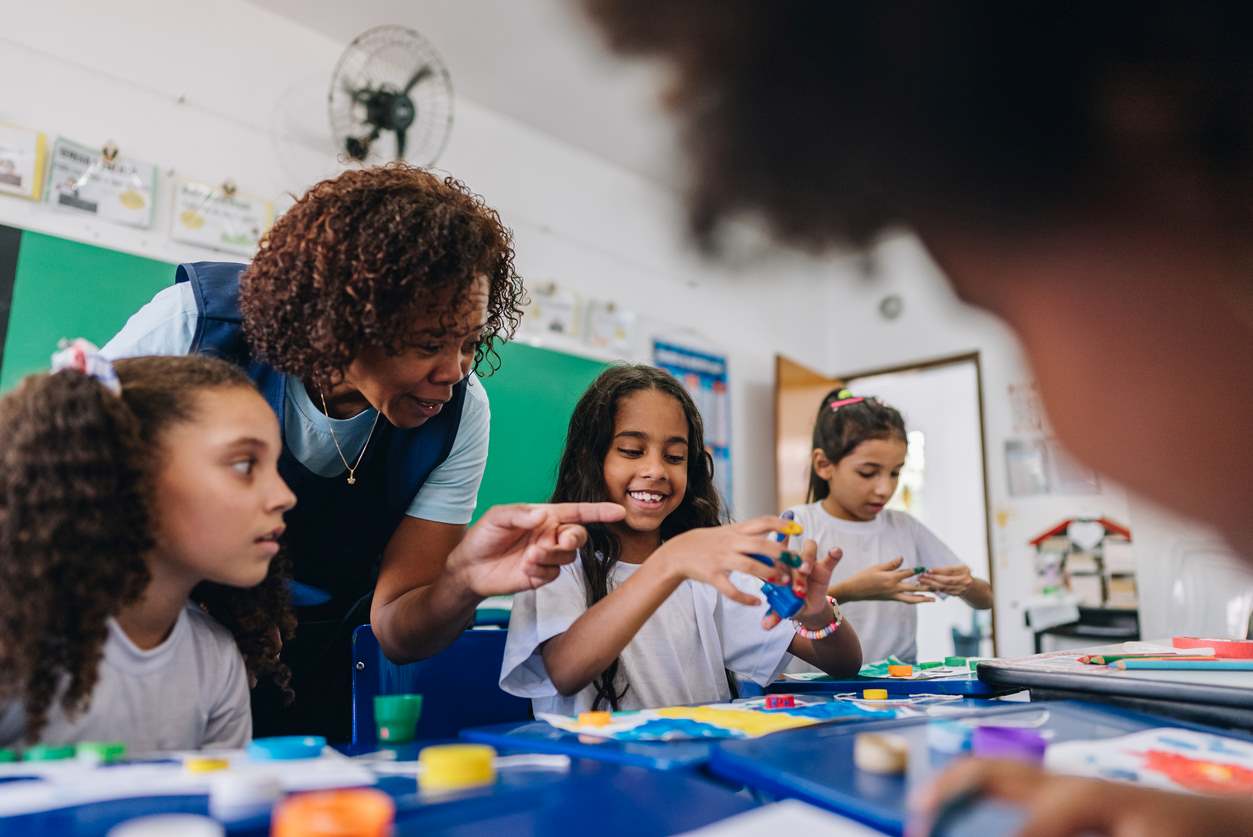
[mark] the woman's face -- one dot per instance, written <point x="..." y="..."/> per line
<point x="412" y="387"/>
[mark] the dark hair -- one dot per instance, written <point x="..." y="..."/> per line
<point x="581" y="478"/>
<point x="839" y="430"/>
<point x="77" y="520"/>
<point x="837" y="121"/>
<point x="361" y="256"/>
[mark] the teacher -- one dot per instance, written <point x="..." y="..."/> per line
<point x="361" y="320"/>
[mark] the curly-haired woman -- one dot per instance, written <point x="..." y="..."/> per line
<point x="139" y="585"/>
<point x="361" y="319"/>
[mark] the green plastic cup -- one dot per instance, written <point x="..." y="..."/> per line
<point x="101" y="752"/>
<point x="7" y="755"/>
<point x="396" y="717"/>
<point x="49" y="752"/>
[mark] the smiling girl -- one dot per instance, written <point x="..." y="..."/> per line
<point x="664" y="603"/>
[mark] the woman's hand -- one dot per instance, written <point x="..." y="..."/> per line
<point x="712" y="553"/>
<point x="521" y="547"/>
<point x="882" y="582"/>
<point x="1061" y="806"/>
<point x="953" y="580"/>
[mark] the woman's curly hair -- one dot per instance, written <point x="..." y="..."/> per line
<point x="362" y="256"/>
<point x="77" y="516"/>
<point x="837" y="121"/>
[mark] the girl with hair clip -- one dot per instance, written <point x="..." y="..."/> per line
<point x="627" y="626"/>
<point x="891" y="561"/>
<point x="140" y="584"/>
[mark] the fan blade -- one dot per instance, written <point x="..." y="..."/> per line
<point x="400" y="144"/>
<point x="418" y="76"/>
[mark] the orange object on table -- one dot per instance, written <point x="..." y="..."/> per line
<point x="900" y="671"/>
<point x="360" y="812"/>
<point x="1224" y="649"/>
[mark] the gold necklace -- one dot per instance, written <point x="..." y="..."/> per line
<point x="352" y="469"/>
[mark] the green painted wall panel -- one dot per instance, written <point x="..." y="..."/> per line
<point x="67" y="289"/>
<point x="532" y="396"/>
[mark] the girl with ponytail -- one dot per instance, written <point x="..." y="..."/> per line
<point x="141" y="587"/>
<point x="892" y="562"/>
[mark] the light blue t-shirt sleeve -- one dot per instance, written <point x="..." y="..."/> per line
<point x="452" y="490"/>
<point x="165" y="326"/>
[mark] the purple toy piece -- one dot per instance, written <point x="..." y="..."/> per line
<point x="1008" y="743"/>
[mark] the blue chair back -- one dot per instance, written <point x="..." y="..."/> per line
<point x="459" y="686"/>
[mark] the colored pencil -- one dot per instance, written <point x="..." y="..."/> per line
<point x="1106" y="659"/>
<point x="1184" y="665"/>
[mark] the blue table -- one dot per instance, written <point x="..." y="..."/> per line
<point x="612" y="799"/>
<point x="969" y="685"/>
<point x="540" y="737"/>
<point x="816" y="765"/>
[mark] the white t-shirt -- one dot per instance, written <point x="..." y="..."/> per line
<point x="884" y="628"/>
<point x="680" y="655"/>
<point x="167" y="326"/>
<point x="188" y="693"/>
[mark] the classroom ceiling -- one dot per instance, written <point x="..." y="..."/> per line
<point x="536" y="61"/>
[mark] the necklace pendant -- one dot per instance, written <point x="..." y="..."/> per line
<point x="352" y="480"/>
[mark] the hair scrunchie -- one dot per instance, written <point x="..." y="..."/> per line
<point x="82" y="356"/>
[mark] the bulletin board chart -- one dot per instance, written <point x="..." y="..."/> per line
<point x="704" y="376"/>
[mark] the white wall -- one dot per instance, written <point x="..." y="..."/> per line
<point x="225" y="89"/>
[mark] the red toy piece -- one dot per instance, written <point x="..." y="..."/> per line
<point x="780" y="702"/>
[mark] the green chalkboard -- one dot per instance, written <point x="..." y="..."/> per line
<point x="532" y="396"/>
<point x="63" y="288"/>
<point x="66" y="289"/>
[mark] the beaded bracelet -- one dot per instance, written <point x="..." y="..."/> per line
<point x="823" y="633"/>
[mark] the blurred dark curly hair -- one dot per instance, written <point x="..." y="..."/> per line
<point x="364" y="254"/>
<point x="836" y="121"/>
<point x="76" y="522"/>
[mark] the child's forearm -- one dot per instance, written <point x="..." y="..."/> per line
<point x="978" y="595"/>
<point x="839" y="655"/>
<point x="843" y="592"/>
<point x="577" y="657"/>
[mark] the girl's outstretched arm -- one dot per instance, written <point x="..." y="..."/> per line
<point x="577" y="657"/>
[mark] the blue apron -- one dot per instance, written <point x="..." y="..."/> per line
<point x="336" y="533"/>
